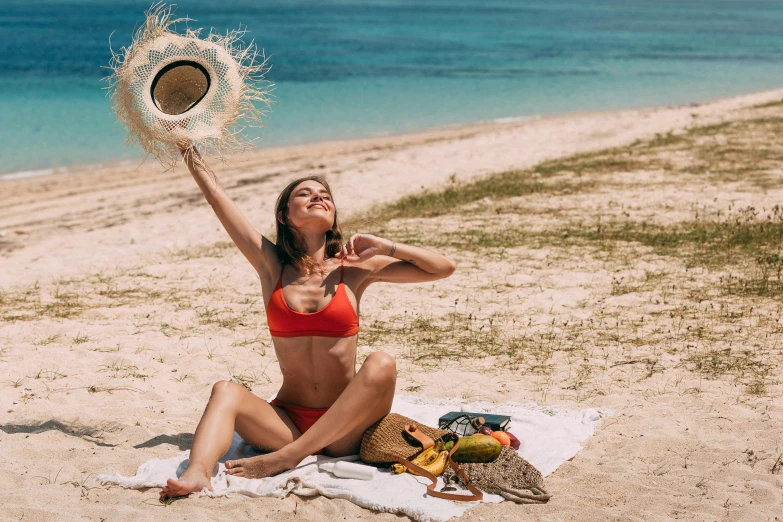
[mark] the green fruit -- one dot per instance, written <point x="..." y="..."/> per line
<point x="477" y="448"/>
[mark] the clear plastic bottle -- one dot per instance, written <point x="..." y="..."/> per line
<point x="351" y="470"/>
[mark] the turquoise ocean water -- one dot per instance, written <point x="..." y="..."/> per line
<point x="351" y="68"/>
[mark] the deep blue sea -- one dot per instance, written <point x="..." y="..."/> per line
<point x="352" y="68"/>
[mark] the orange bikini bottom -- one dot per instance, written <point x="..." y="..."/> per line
<point x="302" y="417"/>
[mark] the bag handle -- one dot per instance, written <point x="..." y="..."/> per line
<point x="477" y="494"/>
<point x="425" y="441"/>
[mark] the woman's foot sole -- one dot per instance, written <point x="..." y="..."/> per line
<point x="185" y="485"/>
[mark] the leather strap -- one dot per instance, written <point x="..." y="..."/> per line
<point x="416" y="433"/>
<point x="477" y="494"/>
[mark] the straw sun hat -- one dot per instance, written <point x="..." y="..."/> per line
<point x="172" y="90"/>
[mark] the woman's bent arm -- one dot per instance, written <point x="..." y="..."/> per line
<point x="398" y="263"/>
<point x="432" y="263"/>
<point x="249" y="241"/>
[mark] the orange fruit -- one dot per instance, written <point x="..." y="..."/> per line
<point x="502" y="437"/>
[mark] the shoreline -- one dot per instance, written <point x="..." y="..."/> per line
<point x="380" y="136"/>
<point x="424" y="133"/>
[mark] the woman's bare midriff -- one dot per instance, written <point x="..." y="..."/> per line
<point x="315" y="370"/>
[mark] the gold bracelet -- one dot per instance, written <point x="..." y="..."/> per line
<point x="393" y="249"/>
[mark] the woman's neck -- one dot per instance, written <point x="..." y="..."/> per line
<point x="316" y="247"/>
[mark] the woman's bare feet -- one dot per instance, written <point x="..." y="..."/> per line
<point x="260" y="466"/>
<point x="191" y="480"/>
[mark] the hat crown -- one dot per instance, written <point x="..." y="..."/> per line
<point x="180" y="86"/>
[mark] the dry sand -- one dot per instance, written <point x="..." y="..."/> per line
<point x="122" y="304"/>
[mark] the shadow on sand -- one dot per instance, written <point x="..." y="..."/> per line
<point x="73" y="429"/>
<point x="182" y="440"/>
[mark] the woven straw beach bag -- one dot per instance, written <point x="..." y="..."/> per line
<point x="384" y="442"/>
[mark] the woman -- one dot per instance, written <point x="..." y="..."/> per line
<point x="312" y="284"/>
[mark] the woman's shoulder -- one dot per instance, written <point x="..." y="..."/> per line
<point x="360" y="271"/>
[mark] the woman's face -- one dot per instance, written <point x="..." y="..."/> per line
<point x="310" y="207"/>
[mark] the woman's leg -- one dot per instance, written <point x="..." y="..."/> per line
<point x="231" y="408"/>
<point x="367" y="398"/>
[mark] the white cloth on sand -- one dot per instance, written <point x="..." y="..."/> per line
<point x="549" y="436"/>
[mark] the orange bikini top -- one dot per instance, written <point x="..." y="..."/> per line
<point x="336" y="319"/>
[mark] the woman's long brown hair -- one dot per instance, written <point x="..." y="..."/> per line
<point x="291" y="247"/>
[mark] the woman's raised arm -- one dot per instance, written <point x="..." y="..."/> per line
<point x="249" y="241"/>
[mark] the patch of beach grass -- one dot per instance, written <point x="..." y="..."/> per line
<point x="46" y="340"/>
<point x="48" y="480"/>
<point x="129" y="295"/>
<point x="49" y="375"/>
<point x="170" y="330"/>
<point x="752" y="369"/>
<point x="622" y="286"/>
<point x="249" y="377"/>
<point x="746" y="243"/>
<point x="182" y="378"/>
<point x="81" y="485"/>
<point x="761" y="277"/>
<point x="259" y="343"/>
<point x="726" y="361"/>
<point x="768" y="105"/>
<point x="106" y="349"/>
<point x="221" y="317"/>
<point x="477" y="238"/>
<point x="120" y="369"/>
<point x="713" y="239"/>
<point x="80" y="338"/>
<point x="619" y="159"/>
<point x="456" y="195"/>
<point x="29" y="304"/>
<point x="69" y="298"/>
<point x="218" y="249"/>
<point x="463" y="335"/>
<point x="747" y="151"/>
<point x="63" y="305"/>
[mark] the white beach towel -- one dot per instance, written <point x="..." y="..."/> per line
<point x="549" y="436"/>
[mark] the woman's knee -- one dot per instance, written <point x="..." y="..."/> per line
<point x="380" y="369"/>
<point x="226" y="390"/>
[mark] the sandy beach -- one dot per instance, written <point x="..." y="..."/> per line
<point x="621" y="269"/>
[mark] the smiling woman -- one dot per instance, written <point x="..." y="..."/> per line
<point x="295" y="203"/>
<point x="312" y="283"/>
